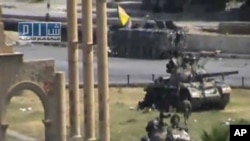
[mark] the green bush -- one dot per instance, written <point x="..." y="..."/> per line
<point x="220" y="132"/>
<point x="217" y="133"/>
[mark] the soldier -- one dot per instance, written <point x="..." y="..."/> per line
<point x="187" y="110"/>
<point x="144" y="105"/>
<point x="148" y="102"/>
<point x="177" y="39"/>
<point x="175" y="121"/>
<point x="162" y="116"/>
<point x="152" y="126"/>
<point x="159" y="80"/>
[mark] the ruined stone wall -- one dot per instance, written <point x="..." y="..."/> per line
<point x="16" y="70"/>
<point x="17" y="75"/>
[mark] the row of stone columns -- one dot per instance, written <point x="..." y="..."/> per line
<point x="88" y="66"/>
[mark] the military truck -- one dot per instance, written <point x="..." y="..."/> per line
<point x="187" y="81"/>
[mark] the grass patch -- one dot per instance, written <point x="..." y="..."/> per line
<point x="126" y="124"/>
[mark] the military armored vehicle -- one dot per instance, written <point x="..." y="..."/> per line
<point x="159" y="130"/>
<point x="188" y="80"/>
<point x="152" y="40"/>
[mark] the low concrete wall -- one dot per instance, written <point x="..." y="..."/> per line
<point x="234" y="28"/>
<point x="227" y="44"/>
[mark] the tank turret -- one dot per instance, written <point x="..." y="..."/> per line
<point x="184" y="68"/>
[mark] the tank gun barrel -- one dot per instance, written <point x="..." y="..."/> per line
<point x="218" y="74"/>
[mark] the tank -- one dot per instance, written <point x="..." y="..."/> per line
<point x="154" y="39"/>
<point x="188" y="80"/>
<point x="159" y="130"/>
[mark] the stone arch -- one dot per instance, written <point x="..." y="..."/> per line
<point x="34" y="87"/>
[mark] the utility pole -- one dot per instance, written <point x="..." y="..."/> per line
<point x="89" y="95"/>
<point x="74" y="99"/>
<point x="103" y="79"/>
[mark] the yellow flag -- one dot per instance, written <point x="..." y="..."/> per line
<point x="123" y="16"/>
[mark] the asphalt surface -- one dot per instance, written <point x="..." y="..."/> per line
<point x="23" y="10"/>
<point x="139" y="70"/>
<point x="55" y="14"/>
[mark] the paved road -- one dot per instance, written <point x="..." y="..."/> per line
<point x="26" y="14"/>
<point x="23" y="10"/>
<point x="140" y="70"/>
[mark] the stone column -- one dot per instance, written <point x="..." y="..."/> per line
<point x="59" y="85"/>
<point x="88" y="66"/>
<point x="74" y="98"/>
<point x="3" y="131"/>
<point x="103" y="79"/>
